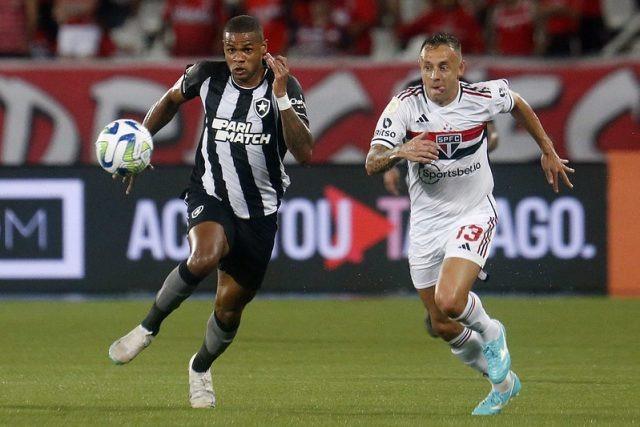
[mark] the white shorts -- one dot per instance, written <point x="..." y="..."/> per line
<point x="468" y="236"/>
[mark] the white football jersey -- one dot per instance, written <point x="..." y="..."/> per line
<point x="461" y="178"/>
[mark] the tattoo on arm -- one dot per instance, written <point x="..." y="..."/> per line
<point x="297" y="136"/>
<point x="381" y="159"/>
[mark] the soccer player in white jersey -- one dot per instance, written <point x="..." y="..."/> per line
<point x="453" y="215"/>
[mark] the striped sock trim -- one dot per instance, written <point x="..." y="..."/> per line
<point x="470" y="307"/>
<point x="459" y="341"/>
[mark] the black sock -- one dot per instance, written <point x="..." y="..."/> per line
<point x="154" y="319"/>
<point x="203" y="359"/>
<point x="217" y="338"/>
<point x="177" y="287"/>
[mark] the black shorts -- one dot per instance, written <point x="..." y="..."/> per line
<point x="250" y="240"/>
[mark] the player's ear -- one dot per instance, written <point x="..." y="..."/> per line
<point x="263" y="47"/>
<point x="462" y="68"/>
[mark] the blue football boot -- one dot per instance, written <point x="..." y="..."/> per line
<point x="495" y="401"/>
<point x="498" y="358"/>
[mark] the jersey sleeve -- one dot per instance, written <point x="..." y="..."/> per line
<point x="294" y="91"/>
<point x="194" y="76"/>
<point x="392" y="125"/>
<point x="501" y="98"/>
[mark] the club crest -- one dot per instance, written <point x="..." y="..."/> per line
<point x="261" y="106"/>
<point x="448" y="143"/>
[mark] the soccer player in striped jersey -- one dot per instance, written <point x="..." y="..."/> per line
<point x="254" y="113"/>
<point x="453" y="216"/>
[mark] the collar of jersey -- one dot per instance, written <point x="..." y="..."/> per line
<point x="433" y="106"/>
<point x="249" y="89"/>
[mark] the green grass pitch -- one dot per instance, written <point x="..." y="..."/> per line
<point x="318" y="362"/>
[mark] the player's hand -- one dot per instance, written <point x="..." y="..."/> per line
<point x="278" y="65"/>
<point x="419" y="149"/>
<point x="130" y="179"/>
<point x="391" y="181"/>
<point x="555" y="169"/>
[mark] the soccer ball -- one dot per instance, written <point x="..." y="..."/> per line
<point x="124" y="147"/>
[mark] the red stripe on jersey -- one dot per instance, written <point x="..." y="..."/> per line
<point x="475" y="93"/>
<point x="474" y="88"/>
<point x="467" y="135"/>
<point x="410" y="92"/>
<point x="486" y="239"/>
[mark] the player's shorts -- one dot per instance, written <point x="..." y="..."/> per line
<point x="250" y="240"/>
<point x="468" y="236"/>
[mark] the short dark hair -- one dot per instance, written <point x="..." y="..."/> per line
<point x="243" y="24"/>
<point x="440" y="39"/>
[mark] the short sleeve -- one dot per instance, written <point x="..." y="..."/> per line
<point x="392" y="125"/>
<point x="194" y="76"/>
<point x="294" y="91"/>
<point x="501" y="98"/>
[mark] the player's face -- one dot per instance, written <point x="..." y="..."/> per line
<point x="441" y="68"/>
<point x="243" y="53"/>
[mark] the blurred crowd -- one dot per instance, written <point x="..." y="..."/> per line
<point x="310" y="28"/>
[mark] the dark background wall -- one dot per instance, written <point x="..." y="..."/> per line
<point x="72" y="229"/>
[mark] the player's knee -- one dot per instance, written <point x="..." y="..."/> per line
<point x="228" y="317"/>
<point x="201" y="264"/>
<point x="450" y="304"/>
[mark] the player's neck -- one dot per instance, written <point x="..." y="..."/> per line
<point x="252" y="82"/>
<point x="449" y="100"/>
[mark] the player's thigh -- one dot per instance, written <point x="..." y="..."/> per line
<point x="251" y="252"/>
<point x="470" y="238"/>
<point x="210" y="224"/>
<point x="457" y="276"/>
<point x="466" y="253"/>
<point x="426" y="253"/>
<point x="208" y="239"/>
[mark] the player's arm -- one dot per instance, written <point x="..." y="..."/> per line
<point x="296" y="132"/>
<point x="553" y="166"/>
<point x="419" y="149"/>
<point x="493" y="137"/>
<point x="164" y="109"/>
<point x="157" y="117"/>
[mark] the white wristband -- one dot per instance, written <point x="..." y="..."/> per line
<point x="283" y="102"/>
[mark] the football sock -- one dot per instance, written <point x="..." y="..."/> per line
<point x="216" y="341"/>
<point x="177" y="287"/>
<point x="476" y="318"/>
<point x="468" y="348"/>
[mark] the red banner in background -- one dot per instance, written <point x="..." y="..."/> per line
<point x="50" y="113"/>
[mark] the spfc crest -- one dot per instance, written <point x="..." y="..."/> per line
<point x="448" y="143"/>
<point x="261" y="106"/>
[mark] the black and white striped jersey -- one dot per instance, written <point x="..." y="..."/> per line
<point x="239" y="157"/>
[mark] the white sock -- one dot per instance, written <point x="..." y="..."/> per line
<point x="468" y="348"/>
<point x="476" y="318"/>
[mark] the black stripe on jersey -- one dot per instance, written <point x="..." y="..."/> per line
<point x="389" y="144"/>
<point x="475" y="87"/>
<point x="241" y="160"/>
<point x="272" y="151"/>
<point x="216" y="89"/>
<point x="198" y="168"/>
<point x="412" y="91"/>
